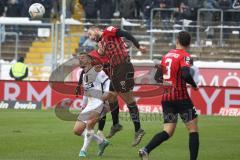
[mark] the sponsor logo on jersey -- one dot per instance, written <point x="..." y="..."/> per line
<point x="89" y="85"/>
<point x="187" y="60"/>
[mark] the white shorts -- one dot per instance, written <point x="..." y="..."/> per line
<point x="94" y="105"/>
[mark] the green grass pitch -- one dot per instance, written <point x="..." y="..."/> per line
<point x="39" y="135"/>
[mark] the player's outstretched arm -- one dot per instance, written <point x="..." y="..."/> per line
<point x="129" y="36"/>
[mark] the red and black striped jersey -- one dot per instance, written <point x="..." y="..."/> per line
<point x="171" y="65"/>
<point x="113" y="46"/>
<point x="102" y="60"/>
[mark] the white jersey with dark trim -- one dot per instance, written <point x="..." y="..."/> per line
<point x="95" y="84"/>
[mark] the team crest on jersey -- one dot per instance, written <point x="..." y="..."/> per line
<point x="123" y="85"/>
<point x="187" y="60"/>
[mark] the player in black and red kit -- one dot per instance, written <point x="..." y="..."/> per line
<point x="111" y="44"/>
<point x="175" y="69"/>
<point x="113" y="103"/>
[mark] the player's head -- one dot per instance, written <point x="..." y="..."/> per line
<point x="85" y="60"/>
<point x="21" y="59"/>
<point x="183" y="40"/>
<point x="94" y="33"/>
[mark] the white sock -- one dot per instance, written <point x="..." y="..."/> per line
<point x="95" y="137"/>
<point x="84" y="133"/>
<point x="87" y="141"/>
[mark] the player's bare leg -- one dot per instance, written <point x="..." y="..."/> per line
<point x="169" y="128"/>
<point x="103" y="143"/>
<point x="114" y="107"/>
<point x="134" y="113"/>
<point x="192" y="127"/>
<point x="79" y="128"/>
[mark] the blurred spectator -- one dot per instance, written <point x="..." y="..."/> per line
<point x="183" y="12"/>
<point x="90" y="8"/>
<point x="19" y="70"/>
<point x="148" y="5"/>
<point x="48" y="4"/>
<point x="139" y="7"/>
<point x="2" y="6"/>
<point x="210" y="4"/>
<point x="236" y="15"/>
<point x="57" y="8"/>
<point x="13" y="9"/>
<point x="208" y="16"/>
<point x="86" y="44"/>
<point x="225" y="4"/>
<point x="164" y="4"/>
<point x="24" y="5"/>
<point x="194" y="5"/>
<point x="165" y="15"/>
<point x="127" y="9"/>
<point x="106" y="8"/>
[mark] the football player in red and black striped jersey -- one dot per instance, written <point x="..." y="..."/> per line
<point x="113" y="102"/>
<point x="175" y="69"/>
<point x="112" y="45"/>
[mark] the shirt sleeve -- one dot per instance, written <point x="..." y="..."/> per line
<point x="102" y="77"/>
<point x="106" y="86"/>
<point x="185" y="61"/>
<point x="104" y="80"/>
<point x="127" y="35"/>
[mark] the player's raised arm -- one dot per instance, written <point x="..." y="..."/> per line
<point x="129" y="36"/>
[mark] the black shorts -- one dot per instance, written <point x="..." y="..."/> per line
<point x="111" y="88"/>
<point x="184" y="108"/>
<point x="123" y="77"/>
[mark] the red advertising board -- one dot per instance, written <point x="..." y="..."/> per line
<point x="219" y="77"/>
<point x="207" y="77"/>
<point x="208" y="100"/>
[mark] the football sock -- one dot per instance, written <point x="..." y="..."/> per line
<point x="115" y="112"/>
<point x="98" y="139"/>
<point x="193" y="145"/>
<point x="157" y="140"/>
<point x="101" y="123"/>
<point x="95" y="137"/>
<point x="134" y="113"/>
<point x="87" y="141"/>
<point x="84" y="133"/>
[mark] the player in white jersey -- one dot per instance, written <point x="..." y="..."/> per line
<point x="96" y="89"/>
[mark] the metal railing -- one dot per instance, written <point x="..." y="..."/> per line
<point x="16" y="35"/>
<point x="198" y="21"/>
<point x="151" y="26"/>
